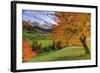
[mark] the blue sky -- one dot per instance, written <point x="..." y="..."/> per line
<point x="43" y="17"/>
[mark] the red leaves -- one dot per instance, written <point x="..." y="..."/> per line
<point x="28" y="54"/>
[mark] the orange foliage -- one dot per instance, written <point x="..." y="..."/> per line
<point x="28" y="54"/>
<point x="70" y="27"/>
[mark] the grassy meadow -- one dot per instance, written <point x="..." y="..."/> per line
<point x="63" y="54"/>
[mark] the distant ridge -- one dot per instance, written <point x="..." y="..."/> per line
<point x="42" y="29"/>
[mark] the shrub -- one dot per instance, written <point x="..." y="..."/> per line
<point x="56" y="46"/>
<point x="28" y="54"/>
<point x="36" y="46"/>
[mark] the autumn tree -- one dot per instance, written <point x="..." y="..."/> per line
<point x="27" y="53"/>
<point x="72" y="29"/>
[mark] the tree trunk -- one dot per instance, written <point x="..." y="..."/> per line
<point x="83" y="41"/>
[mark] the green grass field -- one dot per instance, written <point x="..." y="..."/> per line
<point x="63" y="54"/>
<point x="45" y="43"/>
<point x="68" y="53"/>
<point x="34" y="37"/>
